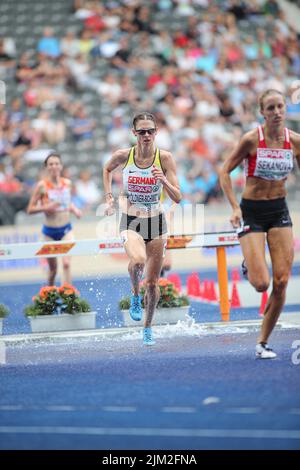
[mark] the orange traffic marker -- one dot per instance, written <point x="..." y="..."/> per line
<point x="235" y="274"/>
<point x="264" y="300"/>
<point x="235" y="298"/>
<point x="205" y="290"/>
<point x="175" y="278"/>
<point x="193" y="285"/>
<point x="212" y="291"/>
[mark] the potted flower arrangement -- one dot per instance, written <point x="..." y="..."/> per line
<point x="59" y="308"/>
<point x="4" y="311"/>
<point x="171" y="308"/>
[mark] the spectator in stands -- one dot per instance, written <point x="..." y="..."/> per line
<point x="49" y="44"/>
<point x="70" y="44"/>
<point x="94" y="21"/>
<point x="5" y="56"/>
<point x="86" y="42"/>
<point x="110" y="89"/>
<point x="51" y="131"/>
<point x="15" y="113"/>
<point x="82" y="127"/>
<point x="14" y="196"/>
<point x="23" y="139"/>
<point x="4" y="142"/>
<point x="26" y="68"/>
<point x="117" y="131"/>
<point x="120" y="60"/>
<point x="87" y="194"/>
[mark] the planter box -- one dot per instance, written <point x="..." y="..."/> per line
<point x="162" y="316"/>
<point x="63" y="322"/>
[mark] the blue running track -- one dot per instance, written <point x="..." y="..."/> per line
<point x="187" y="392"/>
<point x="197" y="388"/>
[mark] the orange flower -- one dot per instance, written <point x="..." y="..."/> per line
<point x="68" y="289"/>
<point x="164" y="282"/>
<point x="69" y="292"/>
<point x="47" y="289"/>
<point x="67" y="286"/>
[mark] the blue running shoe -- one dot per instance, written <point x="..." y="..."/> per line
<point x="244" y="270"/>
<point x="147" y="337"/>
<point x="135" y="310"/>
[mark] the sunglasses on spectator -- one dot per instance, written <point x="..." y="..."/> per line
<point x="145" y="131"/>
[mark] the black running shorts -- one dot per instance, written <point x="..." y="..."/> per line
<point x="261" y="216"/>
<point x="148" y="227"/>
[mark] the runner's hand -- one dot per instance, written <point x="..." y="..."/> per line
<point x="236" y="218"/>
<point x="159" y="174"/>
<point x="51" y="208"/>
<point x="77" y="212"/>
<point x="110" y="207"/>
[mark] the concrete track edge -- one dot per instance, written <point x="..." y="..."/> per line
<point x="290" y="320"/>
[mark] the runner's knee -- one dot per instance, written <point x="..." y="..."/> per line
<point x="66" y="263"/>
<point x="52" y="268"/>
<point x="152" y="284"/>
<point x="138" y="260"/>
<point x="280" y="284"/>
<point x="260" y="284"/>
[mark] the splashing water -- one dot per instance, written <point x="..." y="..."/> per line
<point x="187" y="327"/>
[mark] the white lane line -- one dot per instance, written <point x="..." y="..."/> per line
<point x="119" y="408"/>
<point x="66" y="408"/>
<point x="167" y="432"/>
<point x="60" y="408"/>
<point x="178" y="409"/>
<point x="295" y="411"/>
<point x="243" y="410"/>
<point x="11" y="407"/>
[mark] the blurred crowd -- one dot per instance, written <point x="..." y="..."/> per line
<point x="199" y="65"/>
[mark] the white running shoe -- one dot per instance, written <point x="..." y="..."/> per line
<point x="263" y="351"/>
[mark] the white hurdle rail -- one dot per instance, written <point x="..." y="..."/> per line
<point x="93" y="247"/>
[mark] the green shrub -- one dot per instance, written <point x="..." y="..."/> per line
<point x="55" y="300"/>
<point x="4" y="311"/>
<point x="169" y="296"/>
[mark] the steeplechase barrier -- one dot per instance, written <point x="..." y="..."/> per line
<point x="93" y="247"/>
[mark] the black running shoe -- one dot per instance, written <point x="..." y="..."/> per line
<point x="244" y="270"/>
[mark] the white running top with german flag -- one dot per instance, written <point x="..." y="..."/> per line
<point x="142" y="189"/>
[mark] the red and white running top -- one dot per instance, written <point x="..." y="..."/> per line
<point x="268" y="163"/>
<point x="60" y="193"/>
